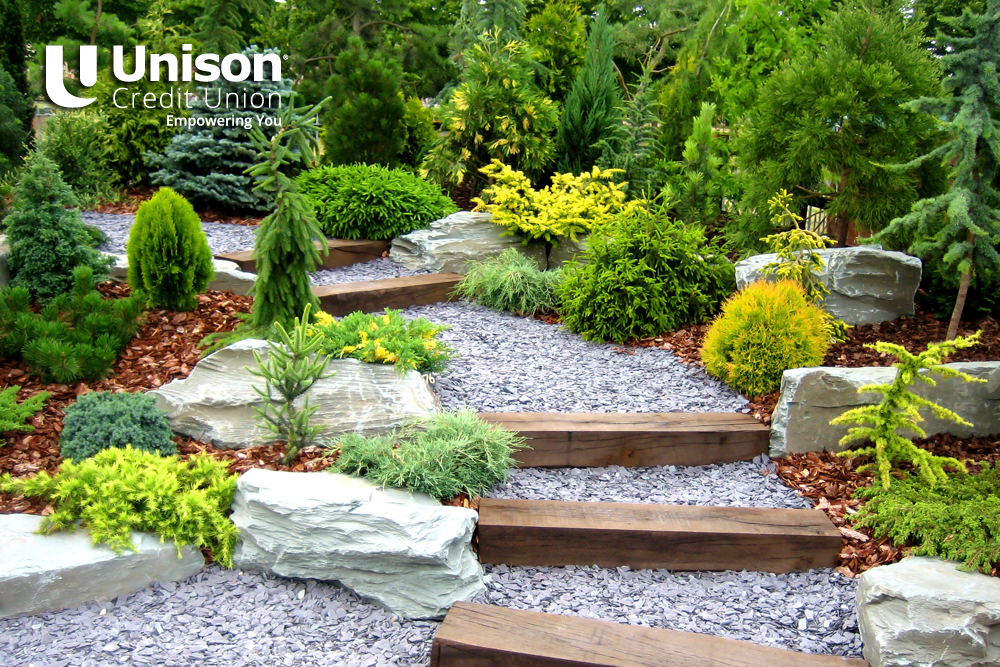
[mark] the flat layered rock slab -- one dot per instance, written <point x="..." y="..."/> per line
<point x="476" y="635"/>
<point x="342" y="252"/>
<point x="536" y="533"/>
<point x="371" y="296"/>
<point x="599" y="439"/>
<point x="41" y="573"/>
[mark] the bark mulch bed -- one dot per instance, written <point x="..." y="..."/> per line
<point x="130" y="199"/>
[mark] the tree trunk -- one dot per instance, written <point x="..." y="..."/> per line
<point x="97" y="22"/>
<point x="956" y="314"/>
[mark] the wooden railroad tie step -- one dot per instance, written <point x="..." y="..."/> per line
<point x="376" y="295"/>
<point x="597" y="439"/>
<point x="479" y="635"/>
<point x="640" y="536"/>
<point x="343" y="252"/>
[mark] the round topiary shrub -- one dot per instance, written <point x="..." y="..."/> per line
<point x="362" y="201"/>
<point x="101" y="419"/>
<point x="643" y="274"/>
<point x="168" y="255"/>
<point x="762" y="332"/>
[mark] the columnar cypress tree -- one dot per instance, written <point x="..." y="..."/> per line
<point x="966" y="240"/>
<point x="592" y="108"/>
<point x="365" y="121"/>
<point x="286" y="248"/>
<point x="14" y="54"/>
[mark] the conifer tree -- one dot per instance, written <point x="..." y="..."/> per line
<point x="632" y="145"/>
<point x="593" y="107"/>
<point x="220" y="28"/>
<point x="365" y="120"/>
<point x="558" y="35"/>
<point x="12" y="133"/>
<point x="477" y="18"/>
<point x="286" y="248"/>
<point x="697" y="182"/>
<point x="966" y="239"/>
<point x="14" y="54"/>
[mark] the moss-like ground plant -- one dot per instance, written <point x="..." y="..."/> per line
<point x="102" y="419"/>
<point x="442" y="455"/>
<point x="118" y="491"/>
<point x="898" y="411"/>
<point x="510" y="282"/>
<point x="14" y="415"/>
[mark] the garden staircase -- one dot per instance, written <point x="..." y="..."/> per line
<point x="375" y="295"/>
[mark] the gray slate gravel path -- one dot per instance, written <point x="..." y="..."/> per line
<point x="222" y="237"/>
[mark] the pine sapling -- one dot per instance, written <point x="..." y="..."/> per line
<point x="881" y="424"/>
<point x="290" y="370"/>
<point x="13" y="415"/>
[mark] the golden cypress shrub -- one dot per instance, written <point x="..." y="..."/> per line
<point x="763" y="331"/>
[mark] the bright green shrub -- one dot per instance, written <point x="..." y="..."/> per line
<point x="418" y="123"/>
<point x="118" y="491"/>
<point x="74" y="141"/>
<point x="511" y="282"/>
<point x="77" y="336"/>
<point x="102" y="419"/>
<point x="958" y="519"/>
<point x="571" y="205"/>
<point x="14" y="415"/>
<point x="442" y="455"/>
<point x="762" y="332"/>
<point x="899" y="411"/>
<point x="47" y="240"/>
<point x="387" y="338"/>
<point x="13" y="135"/>
<point x="371" y="201"/>
<point x="168" y="255"/>
<point x="643" y="275"/>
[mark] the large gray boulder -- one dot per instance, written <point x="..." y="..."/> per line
<point x="450" y="243"/>
<point x="216" y="402"/>
<point x="867" y="284"/>
<point x="46" y="572"/>
<point x="567" y="249"/>
<point x="925" y="612"/>
<point x="404" y="551"/>
<point x="811" y="397"/>
<point x="228" y="276"/>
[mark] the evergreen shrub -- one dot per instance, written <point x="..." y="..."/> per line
<point x="371" y="201"/>
<point x="102" y="419"/>
<point x="386" y="338"/>
<point x="643" y="274"/>
<point x="442" y="455"/>
<point x="763" y="331"/>
<point x="168" y="255"/>
<point x="13" y="135"/>
<point x="74" y="141"/>
<point x="13" y="415"/>
<point x="511" y="282"/>
<point x="118" y="491"/>
<point x="77" y="336"/>
<point x="47" y="240"/>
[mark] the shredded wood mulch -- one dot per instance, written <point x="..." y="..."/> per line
<point x="131" y="198"/>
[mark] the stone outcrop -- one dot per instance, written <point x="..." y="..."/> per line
<point x="404" y="551"/>
<point x="566" y="250"/>
<point x="45" y="572"/>
<point x="450" y="243"/>
<point x="867" y="285"/>
<point x="228" y="276"/>
<point x="811" y="397"/>
<point x="925" y="612"/>
<point x="216" y="402"/>
<point x="4" y="261"/>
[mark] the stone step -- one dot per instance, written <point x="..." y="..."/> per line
<point x="478" y="635"/>
<point x="535" y="533"/>
<point x="375" y="295"/>
<point x="342" y="252"/>
<point x="598" y="439"/>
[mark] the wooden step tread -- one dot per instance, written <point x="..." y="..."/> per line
<point x="641" y="536"/>
<point x="597" y="439"/>
<point x="478" y="635"/>
<point x="342" y="252"/>
<point x="370" y="296"/>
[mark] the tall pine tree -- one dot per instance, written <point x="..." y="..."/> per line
<point x="593" y="107"/>
<point x="962" y="226"/>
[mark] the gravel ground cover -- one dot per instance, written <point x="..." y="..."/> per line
<point x="377" y="269"/>
<point x="222" y="237"/>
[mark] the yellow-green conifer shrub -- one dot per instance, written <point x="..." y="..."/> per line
<point x="762" y="332"/>
<point x="168" y="255"/>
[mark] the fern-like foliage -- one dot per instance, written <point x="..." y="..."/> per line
<point x="880" y="424"/>
<point x="118" y="491"/>
<point x="959" y="519"/>
<point x="511" y="282"/>
<point x="14" y="415"/>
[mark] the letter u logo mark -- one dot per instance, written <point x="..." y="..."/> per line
<point x="54" y="84"/>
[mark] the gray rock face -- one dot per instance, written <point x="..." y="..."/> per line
<point x="4" y="261"/>
<point x="567" y="249"/>
<point x="447" y="245"/>
<point x="228" y="277"/>
<point x="46" y="572"/>
<point x="215" y="403"/>
<point x="925" y="612"/>
<point x="811" y="397"/>
<point x="405" y="551"/>
<point x="867" y="284"/>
